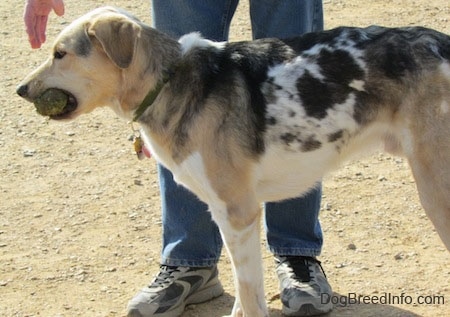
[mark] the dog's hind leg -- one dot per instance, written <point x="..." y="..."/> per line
<point x="432" y="179"/>
<point x="429" y="153"/>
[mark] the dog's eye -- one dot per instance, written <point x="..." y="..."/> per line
<point x="59" y="54"/>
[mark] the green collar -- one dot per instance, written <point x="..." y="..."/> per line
<point x="150" y="98"/>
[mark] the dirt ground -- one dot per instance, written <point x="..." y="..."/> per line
<point x="80" y="215"/>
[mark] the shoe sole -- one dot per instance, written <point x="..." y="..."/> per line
<point x="307" y="310"/>
<point x="205" y="294"/>
<point x="198" y="297"/>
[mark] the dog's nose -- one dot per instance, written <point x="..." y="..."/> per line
<point x="22" y="90"/>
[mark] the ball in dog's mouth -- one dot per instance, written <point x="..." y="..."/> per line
<point x="55" y="103"/>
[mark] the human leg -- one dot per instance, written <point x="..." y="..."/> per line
<point x="191" y="240"/>
<point x="211" y="18"/>
<point x="293" y="230"/>
<point x="293" y="227"/>
<point x="283" y="19"/>
<point x="294" y="235"/>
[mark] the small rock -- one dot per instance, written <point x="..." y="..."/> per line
<point x="351" y="246"/>
<point x="29" y="152"/>
<point x="398" y="256"/>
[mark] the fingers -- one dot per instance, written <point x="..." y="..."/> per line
<point x="30" y="24"/>
<point x="41" y="27"/>
<point x="35" y="27"/>
<point x="36" y="17"/>
<point x="58" y="7"/>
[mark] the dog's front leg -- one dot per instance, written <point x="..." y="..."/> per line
<point x="239" y="227"/>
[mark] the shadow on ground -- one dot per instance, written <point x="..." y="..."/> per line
<point x="342" y="308"/>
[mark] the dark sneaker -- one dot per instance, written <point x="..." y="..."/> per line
<point x="173" y="289"/>
<point x="303" y="285"/>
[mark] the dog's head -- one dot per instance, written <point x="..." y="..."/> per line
<point x="104" y="58"/>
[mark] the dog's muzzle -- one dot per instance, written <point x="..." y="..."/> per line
<point x="53" y="102"/>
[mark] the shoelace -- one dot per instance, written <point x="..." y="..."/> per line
<point x="300" y="267"/>
<point x="165" y="276"/>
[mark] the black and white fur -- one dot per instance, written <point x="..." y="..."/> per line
<point x="246" y="122"/>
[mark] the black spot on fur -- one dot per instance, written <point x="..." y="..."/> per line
<point x="288" y="138"/>
<point x="271" y="121"/>
<point x="339" y="66"/>
<point x="335" y="136"/>
<point x="311" y="144"/>
<point x="397" y="60"/>
<point x="317" y="96"/>
<point x="339" y="69"/>
<point x="398" y="52"/>
<point x="308" y="40"/>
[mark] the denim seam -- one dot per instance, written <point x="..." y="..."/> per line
<point x="295" y="251"/>
<point x="191" y="263"/>
<point x="226" y="21"/>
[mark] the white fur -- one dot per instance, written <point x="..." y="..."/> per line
<point x="195" y="39"/>
<point x="357" y="84"/>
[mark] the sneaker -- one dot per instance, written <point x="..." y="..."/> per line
<point x="302" y="284"/>
<point x="173" y="289"/>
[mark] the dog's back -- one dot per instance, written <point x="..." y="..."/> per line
<point x="308" y="103"/>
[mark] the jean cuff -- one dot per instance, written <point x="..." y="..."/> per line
<point x="295" y="251"/>
<point x="189" y="263"/>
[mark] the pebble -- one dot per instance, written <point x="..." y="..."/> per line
<point x="29" y="152"/>
<point x="398" y="256"/>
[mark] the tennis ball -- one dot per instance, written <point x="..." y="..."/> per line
<point x="51" y="102"/>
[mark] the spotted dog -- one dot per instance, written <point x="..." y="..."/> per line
<point x="246" y="122"/>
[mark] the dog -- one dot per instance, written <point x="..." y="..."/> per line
<point x="246" y="122"/>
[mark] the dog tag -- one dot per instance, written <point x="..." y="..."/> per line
<point x="139" y="147"/>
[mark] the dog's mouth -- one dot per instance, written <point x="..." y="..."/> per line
<point x="56" y="103"/>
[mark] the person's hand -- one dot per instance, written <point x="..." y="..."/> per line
<point x="36" y="16"/>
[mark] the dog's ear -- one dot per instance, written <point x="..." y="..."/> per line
<point x="118" y="37"/>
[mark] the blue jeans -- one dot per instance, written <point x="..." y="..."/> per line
<point x="190" y="237"/>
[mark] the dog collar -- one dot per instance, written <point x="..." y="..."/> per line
<point x="139" y="146"/>
<point x="151" y="96"/>
<point x="149" y="99"/>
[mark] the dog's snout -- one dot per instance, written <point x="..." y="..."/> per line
<point x="22" y="90"/>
